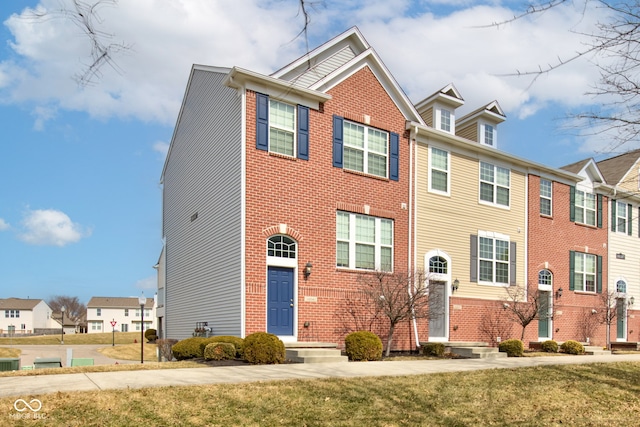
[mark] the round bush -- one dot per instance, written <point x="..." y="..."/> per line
<point x="262" y="348"/>
<point x="219" y="351"/>
<point x="151" y="335"/>
<point x="237" y="342"/>
<point x="513" y="348"/>
<point x="435" y="349"/>
<point x="572" y="347"/>
<point x="549" y="346"/>
<point x="188" y="348"/>
<point x="363" y="345"/>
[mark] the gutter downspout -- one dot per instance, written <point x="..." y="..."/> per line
<point x="411" y="258"/>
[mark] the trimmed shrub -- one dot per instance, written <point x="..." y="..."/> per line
<point x="164" y="347"/>
<point x="513" y="348"/>
<point x="572" y="347"/>
<point x="237" y="342"/>
<point x="219" y="351"/>
<point x="549" y="346"/>
<point x="151" y="335"/>
<point x="433" y="349"/>
<point x="188" y="348"/>
<point x="262" y="348"/>
<point x="363" y="345"/>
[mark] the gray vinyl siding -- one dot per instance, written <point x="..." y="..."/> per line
<point x="203" y="176"/>
<point x="326" y="67"/>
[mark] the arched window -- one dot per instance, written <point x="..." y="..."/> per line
<point x="621" y="286"/>
<point x="545" y="277"/>
<point x="281" y="247"/>
<point x="437" y="264"/>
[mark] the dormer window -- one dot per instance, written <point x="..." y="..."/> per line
<point x="488" y="135"/>
<point x="443" y="118"/>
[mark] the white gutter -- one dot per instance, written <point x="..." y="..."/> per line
<point x="411" y="259"/>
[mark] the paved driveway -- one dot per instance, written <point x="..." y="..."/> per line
<point x="30" y="352"/>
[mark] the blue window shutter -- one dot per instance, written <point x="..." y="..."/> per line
<point x="394" y="156"/>
<point x="512" y="263"/>
<point x="303" y="132"/>
<point x="572" y="204"/>
<point x="337" y="141"/>
<point x="262" y="120"/>
<point x="613" y="215"/>
<point x="599" y="196"/>
<point x="572" y="270"/>
<point x="599" y="275"/>
<point x="629" y="219"/>
<point x="473" y="273"/>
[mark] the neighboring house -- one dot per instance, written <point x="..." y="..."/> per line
<point x="267" y="175"/>
<point x="25" y="316"/>
<point x="125" y="311"/>
<point x="622" y="175"/>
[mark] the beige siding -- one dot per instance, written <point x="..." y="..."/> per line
<point x="447" y="222"/>
<point x="470" y="131"/>
<point x="629" y="267"/>
<point x="427" y="116"/>
<point x="631" y="181"/>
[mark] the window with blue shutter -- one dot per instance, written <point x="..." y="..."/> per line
<point x="276" y="129"/>
<point x="303" y="132"/>
<point x="262" y="120"/>
<point x="394" y="156"/>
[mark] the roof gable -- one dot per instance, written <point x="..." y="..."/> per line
<point x="616" y="169"/>
<point x="492" y="112"/>
<point x="586" y="168"/>
<point x="448" y="95"/>
<point x="18" y="304"/>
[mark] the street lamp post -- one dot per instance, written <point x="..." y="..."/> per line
<point x="62" y="325"/>
<point x="142" y="300"/>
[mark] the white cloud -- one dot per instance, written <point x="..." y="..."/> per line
<point x="150" y="282"/>
<point x="423" y="49"/>
<point x="49" y="227"/>
<point x="4" y="225"/>
<point x="162" y="148"/>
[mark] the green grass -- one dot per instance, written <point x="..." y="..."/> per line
<point x="575" y="395"/>
<point x="78" y="339"/>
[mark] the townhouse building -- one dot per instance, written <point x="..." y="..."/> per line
<point x="281" y="191"/>
<point x="20" y="316"/>
<point x="125" y="312"/>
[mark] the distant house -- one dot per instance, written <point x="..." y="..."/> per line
<point x="101" y="311"/>
<point x="24" y="316"/>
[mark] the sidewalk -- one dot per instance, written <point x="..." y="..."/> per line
<point x="43" y="384"/>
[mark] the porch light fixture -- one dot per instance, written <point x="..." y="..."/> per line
<point x="455" y="285"/>
<point x="559" y="293"/>
<point x="142" y="300"/>
<point x="307" y="270"/>
<point x="505" y="305"/>
<point x="631" y="301"/>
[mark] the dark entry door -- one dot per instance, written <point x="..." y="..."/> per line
<point x="437" y="310"/>
<point x="280" y="301"/>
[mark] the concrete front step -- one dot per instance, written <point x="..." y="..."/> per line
<point x="592" y="350"/>
<point x="478" y="352"/>
<point x="308" y="352"/>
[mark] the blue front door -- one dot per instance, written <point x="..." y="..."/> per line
<point x="280" y="301"/>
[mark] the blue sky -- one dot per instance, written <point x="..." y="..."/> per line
<point x="80" y="201"/>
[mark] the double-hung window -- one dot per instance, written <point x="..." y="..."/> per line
<point x="621" y="214"/>
<point x="546" y="192"/>
<point x="488" y="135"/>
<point x="365" y="149"/>
<point x="12" y="314"/>
<point x="585" y="208"/>
<point x="282" y="128"/>
<point x="364" y="242"/>
<point x="439" y="170"/>
<point x="494" y="260"/>
<point x="584" y="272"/>
<point x="98" y="312"/>
<point x="445" y="120"/>
<point x="495" y="184"/>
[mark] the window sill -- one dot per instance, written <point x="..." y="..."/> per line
<point x="595" y="227"/>
<point x="380" y="178"/>
<point x="546" y="216"/>
<point x="494" y="284"/>
<point x="495" y="205"/>
<point x="592" y="293"/>
<point x="283" y="156"/>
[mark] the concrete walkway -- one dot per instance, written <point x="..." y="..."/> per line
<point x="43" y="384"/>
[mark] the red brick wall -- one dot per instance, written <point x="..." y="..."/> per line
<point x="550" y="240"/>
<point x="305" y="196"/>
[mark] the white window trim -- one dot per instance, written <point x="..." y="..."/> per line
<point x="625" y="217"/>
<point x="545" y="288"/>
<point x="365" y="149"/>
<point x="482" y="133"/>
<point x="584" y="273"/>
<point x="495" y="185"/>
<point x="584" y="208"/>
<point x="448" y="171"/>
<point x="294" y="130"/>
<point x="377" y="244"/>
<point x="550" y="198"/>
<point x="495" y="236"/>
<point x="438" y="119"/>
